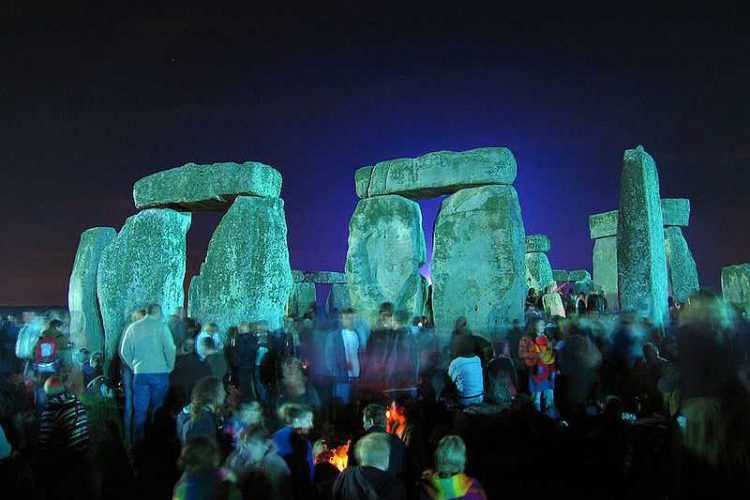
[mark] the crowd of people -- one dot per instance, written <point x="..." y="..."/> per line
<point x="573" y="399"/>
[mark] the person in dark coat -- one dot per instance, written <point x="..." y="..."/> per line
<point x="374" y="421"/>
<point x="370" y="480"/>
<point x="245" y="356"/>
<point x="292" y="444"/>
<point x="189" y="368"/>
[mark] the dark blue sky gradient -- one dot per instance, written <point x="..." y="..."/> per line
<point x="94" y="99"/>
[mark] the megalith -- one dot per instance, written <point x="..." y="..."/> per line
<point x="246" y="275"/>
<point x="538" y="268"/>
<point x="641" y="256"/>
<point x="478" y="266"/>
<point x="683" y="272"/>
<point x="86" y="328"/>
<point x="386" y="250"/>
<point x="303" y="294"/>
<point x="735" y="285"/>
<point x="560" y="275"/>
<point x="338" y="298"/>
<point x="437" y="173"/>
<point x="193" y="298"/>
<point x="213" y="187"/>
<point x="144" y="264"/>
<point x="603" y="229"/>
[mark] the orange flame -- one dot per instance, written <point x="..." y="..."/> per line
<point x="340" y="456"/>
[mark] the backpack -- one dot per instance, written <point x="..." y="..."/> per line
<point x="46" y="351"/>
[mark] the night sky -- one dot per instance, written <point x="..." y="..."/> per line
<point x="92" y="98"/>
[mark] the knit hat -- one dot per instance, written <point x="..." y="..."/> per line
<point x="54" y="386"/>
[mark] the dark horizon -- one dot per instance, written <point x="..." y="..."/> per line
<point x="95" y="98"/>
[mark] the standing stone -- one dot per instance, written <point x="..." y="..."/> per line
<point x="303" y="294"/>
<point x="605" y="269"/>
<point x="338" y="298"/>
<point x="246" y="274"/>
<point x="478" y="267"/>
<point x="193" y="299"/>
<point x="386" y="250"/>
<point x="538" y="268"/>
<point x="538" y="271"/>
<point x="641" y="257"/>
<point x="735" y="285"/>
<point x="683" y="273"/>
<point x="144" y="264"/>
<point x="85" y="319"/>
<point x="603" y="228"/>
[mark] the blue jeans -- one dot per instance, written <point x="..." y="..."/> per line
<point x="127" y="387"/>
<point x="149" y="392"/>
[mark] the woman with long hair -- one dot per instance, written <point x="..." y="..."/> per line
<point x="203" y="416"/>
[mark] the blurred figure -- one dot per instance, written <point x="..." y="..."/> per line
<point x="245" y="355"/>
<point x="292" y="444"/>
<point x="342" y="356"/>
<point x="202" y="478"/>
<point x="449" y="481"/>
<point x="295" y="388"/>
<point x="552" y="301"/>
<point x="209" y="330"/>
<point x="261" y="472"/>
<point x="370" y="479"/>
<point x="247" y="415"/>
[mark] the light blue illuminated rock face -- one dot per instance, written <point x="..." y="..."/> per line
<point x="338" y="298"/>
<point x="735" y="285"/>
<point x="579" y="275"/>
<point x="438" y="173"/>
<point x="386" y="250"/>
<point x="538" y="268"/>
<point x="683" y="273"/>
<point x="641" y="257"/>
<point x="86" y="328"/>
<point x="303" y="294"/>
<point x="676" y="211"/>
<point x="538" y="243"/>
<point x="560" y="275"/>
<point x="212" y="187"/>
<point x="538" y="271"/>
<point x="478" y="267"/>
<point x="603" y="225"/>
<point x="246" y="274"/>
<point x="605" y="269"/>
<point x="144" y="264"/>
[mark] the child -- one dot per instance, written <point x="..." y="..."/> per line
<point x="542" y="377"/>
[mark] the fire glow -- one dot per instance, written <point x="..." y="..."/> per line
<point x="340" y="457"/>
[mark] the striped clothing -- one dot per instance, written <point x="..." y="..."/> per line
<point x="64" y="426"/>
